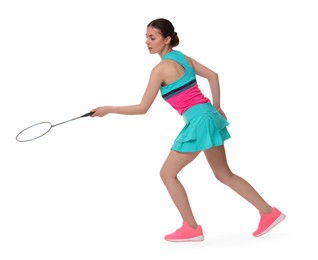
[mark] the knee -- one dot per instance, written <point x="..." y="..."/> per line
<point x="165" y="175"/>
<point x="223" y="176"/>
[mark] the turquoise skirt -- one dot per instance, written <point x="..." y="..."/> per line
<point x="204" y="128"/>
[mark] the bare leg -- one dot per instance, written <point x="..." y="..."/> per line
<point x="174" y="163"/>
<point x="217" y="159"/>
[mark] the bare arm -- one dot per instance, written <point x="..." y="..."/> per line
<point x="213" y="80"/>
<point x="141" y="108"/>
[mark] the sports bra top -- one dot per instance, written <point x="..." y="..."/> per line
<point x="184" y="92"/>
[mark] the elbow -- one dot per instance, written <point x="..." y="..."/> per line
<point x="213" y="76"/>
<point x="143" y="110"/>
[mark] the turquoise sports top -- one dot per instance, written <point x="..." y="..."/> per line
<point x="184" y="92"/>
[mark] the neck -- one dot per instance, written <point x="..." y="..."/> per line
<point x="165" y="51"/>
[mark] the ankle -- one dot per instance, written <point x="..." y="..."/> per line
<point x="192" y="225"/>
<point x="267" y="210"/>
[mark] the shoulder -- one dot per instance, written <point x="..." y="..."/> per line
<point x="158" y="72"/>
<point x="162" y="66"/>
<point x="189" y="60"/>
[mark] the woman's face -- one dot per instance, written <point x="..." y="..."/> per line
<point x="155" y="41"/>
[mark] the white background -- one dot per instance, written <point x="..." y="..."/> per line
<point x="90" y="189"/>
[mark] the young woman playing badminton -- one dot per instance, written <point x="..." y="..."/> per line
<point x="205" y="129"/>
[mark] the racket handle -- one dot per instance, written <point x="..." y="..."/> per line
<point x="87" y="114"/>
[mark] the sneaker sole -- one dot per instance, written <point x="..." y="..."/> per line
<point x="277" y="221"/>
<point x="192" y="239"/>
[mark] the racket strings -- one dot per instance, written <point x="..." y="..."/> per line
<point x="34" y="131"/>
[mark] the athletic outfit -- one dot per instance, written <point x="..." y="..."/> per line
<point x="204" y="126"/>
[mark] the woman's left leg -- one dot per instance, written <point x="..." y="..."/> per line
<point x="216" y="157"/>
<point x="270" y="216"/>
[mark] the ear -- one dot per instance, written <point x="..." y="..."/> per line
<point x="168" y="40"/>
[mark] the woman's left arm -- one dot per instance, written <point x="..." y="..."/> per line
<point x="213" y="80"/>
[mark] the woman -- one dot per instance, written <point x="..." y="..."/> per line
<point x="205" y="128"/>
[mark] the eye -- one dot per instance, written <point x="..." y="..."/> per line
<point x="151" y="37"/>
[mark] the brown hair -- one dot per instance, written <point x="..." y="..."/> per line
<point x="167" y="29"/>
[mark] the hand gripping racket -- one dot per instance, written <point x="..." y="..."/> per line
<point x="38" y="130"/>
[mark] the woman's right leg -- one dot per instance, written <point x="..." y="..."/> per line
<point x="190" y="230"/>
<point x="174" y="163"/>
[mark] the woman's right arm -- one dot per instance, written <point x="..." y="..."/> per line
<point x="148" y="98"/>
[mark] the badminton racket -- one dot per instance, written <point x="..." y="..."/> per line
<point x="40" y="129"/>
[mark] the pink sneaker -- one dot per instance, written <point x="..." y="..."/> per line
<point x="268" y="221"/>
<point x="186" y="234"/>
